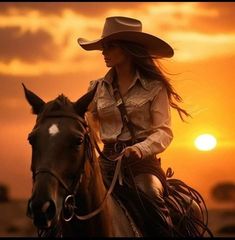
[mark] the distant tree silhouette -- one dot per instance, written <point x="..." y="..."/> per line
<point x="228" y="229"/>
<point x="224" y="192"/>
<point x="4" y="191"/>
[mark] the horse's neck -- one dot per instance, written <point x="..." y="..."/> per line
<point x="95" y="191"/>
<point x="90" y="198"/>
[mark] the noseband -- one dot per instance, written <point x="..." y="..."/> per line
<point x="56" y="176"/>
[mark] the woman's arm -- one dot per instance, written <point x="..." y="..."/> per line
<point x="162" y="134"/>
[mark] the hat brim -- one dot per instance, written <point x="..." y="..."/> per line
<point x="153" y="44"/>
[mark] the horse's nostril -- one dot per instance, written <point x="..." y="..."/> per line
<point x="49" y="209"/>
<point x="45" y="206"/>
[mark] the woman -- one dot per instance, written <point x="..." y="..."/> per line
<point x="141" y="127"/>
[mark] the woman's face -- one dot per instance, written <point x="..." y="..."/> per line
<point x="114" y="55"/>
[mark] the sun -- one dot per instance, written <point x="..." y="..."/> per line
<point x="205" y="142"/>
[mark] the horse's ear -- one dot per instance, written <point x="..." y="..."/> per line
<point x="83" y="102"/>
<point x="36" y="102"/>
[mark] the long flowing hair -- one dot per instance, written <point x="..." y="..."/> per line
<point x="149" y="68"/>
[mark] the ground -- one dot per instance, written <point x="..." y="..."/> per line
<point x="15" y="223"/>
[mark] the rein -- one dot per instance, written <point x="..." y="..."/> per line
<point x="53" y="174"/>
<point x="69" y="201"/>
<point x="108" y="193"/>
<point x="117" y="174"/>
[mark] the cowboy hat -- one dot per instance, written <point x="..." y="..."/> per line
<point x="128" y="29"/>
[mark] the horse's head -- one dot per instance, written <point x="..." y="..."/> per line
<point x="58" y="142"/>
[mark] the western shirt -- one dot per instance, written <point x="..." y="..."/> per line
<point x="147" y="106"/>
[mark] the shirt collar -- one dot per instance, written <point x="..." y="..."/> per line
<point x="108" y="78"/>
<point x="142" y="80"/>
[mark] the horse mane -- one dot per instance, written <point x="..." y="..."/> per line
<point x="100" y="225"/>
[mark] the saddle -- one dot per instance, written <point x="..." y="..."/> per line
<point x="149" y="217"/>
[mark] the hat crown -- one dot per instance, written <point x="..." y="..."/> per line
<point x="128" y="29"/>
<point x="120" y="24"/>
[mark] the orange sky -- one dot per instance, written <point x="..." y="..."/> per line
<point x="38" y="47"/>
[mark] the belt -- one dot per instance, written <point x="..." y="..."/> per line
<point x="118" y="146"/>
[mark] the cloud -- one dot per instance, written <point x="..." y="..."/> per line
<point x="221" y="22"/>
<point x="26" y="46"/>
<point x="195" y="46"/>
<point x="14" y="107"/>
<point x="91" y="9"/>
<point x="210" y="18"/>
<point x="47" y="44"/>
<point x="61" y="66"/>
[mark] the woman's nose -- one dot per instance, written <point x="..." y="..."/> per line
<point x="103" y="52"/>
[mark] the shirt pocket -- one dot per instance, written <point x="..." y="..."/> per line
<point x="107" y="111"/>
<point x="105" y="105"/>
<point x="110" y="118"/>
<point x="137" y="102"/>
<point x="138" y="109"/>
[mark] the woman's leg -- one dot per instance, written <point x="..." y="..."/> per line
<point x="152" y="187"/>
<point x="149" y="184"/>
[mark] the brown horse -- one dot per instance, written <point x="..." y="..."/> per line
<point x="66" y="174"/>
<point x="69" y="197"/>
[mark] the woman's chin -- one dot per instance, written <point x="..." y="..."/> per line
<point x="108" y="64"/>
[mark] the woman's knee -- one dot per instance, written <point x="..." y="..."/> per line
<point x="194" y="206"/>
<point x="149" y="184"/>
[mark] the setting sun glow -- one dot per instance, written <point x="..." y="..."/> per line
<point x="38" y="47"/>
<point x="205" y="142"/>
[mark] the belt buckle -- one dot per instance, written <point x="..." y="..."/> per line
<point x="119" y="146"/>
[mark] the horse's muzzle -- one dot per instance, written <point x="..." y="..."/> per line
<point x="42" y="214"/>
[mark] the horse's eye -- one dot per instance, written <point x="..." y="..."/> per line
<point x="79" y="140"/>
<point x="76" y="142"/>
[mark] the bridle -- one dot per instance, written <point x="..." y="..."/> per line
<point x="69" y="203"/>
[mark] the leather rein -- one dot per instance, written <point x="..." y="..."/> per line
<point x="69" y="201"/>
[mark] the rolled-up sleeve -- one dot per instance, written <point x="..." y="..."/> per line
<point x="162" y="134"/>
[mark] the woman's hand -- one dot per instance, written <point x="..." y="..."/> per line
<point x="132" y="152"/>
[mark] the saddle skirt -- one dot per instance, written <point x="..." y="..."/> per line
<point x="147" y="219"/>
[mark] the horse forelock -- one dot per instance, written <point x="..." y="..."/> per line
<point x="59" y="105"/>
<point x="63" y="99"/>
